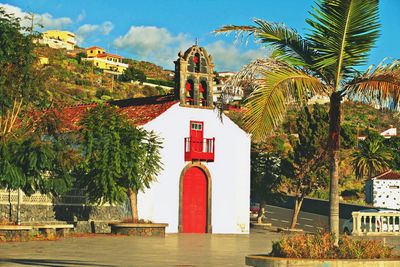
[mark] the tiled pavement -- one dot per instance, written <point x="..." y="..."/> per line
<point x="173" y="250"/>
<point x="182" y="250"/>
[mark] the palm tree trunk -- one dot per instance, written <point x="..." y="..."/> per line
<point x="296" y="211"/>
<point x="334" y="145"/>
<point x="133" y="203"/>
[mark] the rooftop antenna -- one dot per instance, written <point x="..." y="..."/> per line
<point x="197" y="41"/>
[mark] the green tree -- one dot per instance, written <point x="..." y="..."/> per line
<point x="348" y="136"/>
<point x="132" y="74"/>
<point x="371" y="158"/>
<point x="120" y="159"/>
<point x="40" y="161"/>
<point x="79" y="57"/>
<point x="305" y="169"/>
<point x="17" y="76"/>
<point x="393" y="144"/>
<point x="34" y="153"/>
<point x="342" y="32"/>
<point x="265" y="176"/>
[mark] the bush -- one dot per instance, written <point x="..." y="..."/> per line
<point x="132" y="74"/>
<point x="363" y="249"/>
<point x="321" y="246"/>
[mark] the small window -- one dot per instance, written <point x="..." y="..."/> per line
<point x="196" y="126"/>
<point x="394" y="187"/>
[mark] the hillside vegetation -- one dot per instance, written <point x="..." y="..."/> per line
<point x="358" y="120"/>
<point x="69" y="80"/>
<point x="151" y="70"/>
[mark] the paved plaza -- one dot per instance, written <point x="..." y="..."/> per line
<point x="173" y="250"/>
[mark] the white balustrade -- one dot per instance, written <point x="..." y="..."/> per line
<point x="376" y="223"/>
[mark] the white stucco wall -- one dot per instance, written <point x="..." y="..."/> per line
<point x="386" y="194"/>
<point x="230" y="172"/>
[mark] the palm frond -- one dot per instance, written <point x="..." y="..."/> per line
<point x="371" y="158"/>
<point x="275" y="84"/>
<point x="378" y="86"/>
<point x="343" y="32"/>
<point x="292" y="47"/>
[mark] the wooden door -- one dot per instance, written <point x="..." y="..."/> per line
<point x="194" y="201"/>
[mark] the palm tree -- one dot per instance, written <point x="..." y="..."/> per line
<point x="342" y="32"/>
<point x="371" y="158"/>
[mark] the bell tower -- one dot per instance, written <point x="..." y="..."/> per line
<point x="194" y="73"/>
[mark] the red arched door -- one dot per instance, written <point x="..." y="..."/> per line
<point x="194" y="201"/>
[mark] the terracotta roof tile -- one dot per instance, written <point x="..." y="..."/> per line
<point x="94" y="47"/>
<point x="108" y="55"/>
<point x="389" y="175"/>
<point x="139" y="110"/>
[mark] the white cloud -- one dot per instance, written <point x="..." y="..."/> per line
<point x="81" y="16"/>
<point x="49" y="22"/>
<point x="153" y="44"/>
<point x="92" y="30"/>
<point x="228" y="57"/>
<point x="45" y="19"/>
<point x="160" y="46"/>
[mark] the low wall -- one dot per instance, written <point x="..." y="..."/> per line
<point x="266" y="261"/>
<point x="317" y="206"/>
<point x="139" y="229"/>
<point x="73" y="207"/>
<point x="86" y="218"/>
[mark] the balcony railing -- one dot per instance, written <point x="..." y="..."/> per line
<point x="199" y="150"/>
<point x="376" y="223"/>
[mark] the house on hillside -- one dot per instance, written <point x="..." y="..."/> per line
<point x="110" y="63"/>
<point x="58" y="39"/>
<point x="220" y="82"/>
<point x="383" y="190"/>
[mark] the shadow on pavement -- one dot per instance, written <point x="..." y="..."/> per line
<point x="52" y="263"/>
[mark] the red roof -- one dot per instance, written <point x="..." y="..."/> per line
<point x="389" y="175"/>
<point x="108" y="55"/>
<point x="139" y="110"/>
<point x="94" y="47"/>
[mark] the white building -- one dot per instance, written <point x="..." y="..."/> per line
<point x="383" y="190"/>
<point x="204" y="186"/>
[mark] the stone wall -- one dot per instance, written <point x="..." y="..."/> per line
<point x="86" y="218"/>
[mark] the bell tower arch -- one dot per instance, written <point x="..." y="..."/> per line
<point x="194" y="75"/>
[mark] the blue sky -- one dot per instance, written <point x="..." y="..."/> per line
<point x="155" y="30"/>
